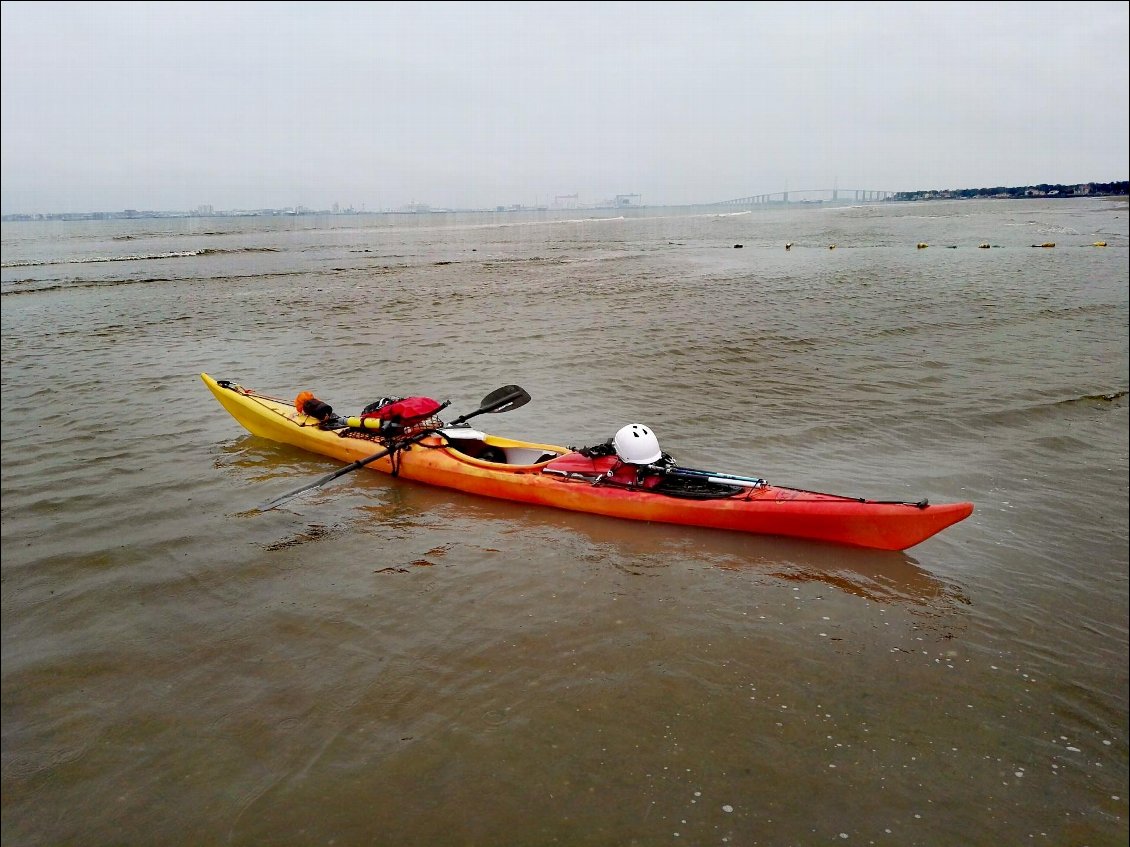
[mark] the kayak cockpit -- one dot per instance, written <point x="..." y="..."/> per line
<point x="466" y="443"/>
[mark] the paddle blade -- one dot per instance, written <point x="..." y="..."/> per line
<point x="504" y="399"/>
<point x="360" y="463"/>
<point x="278" y="501"/>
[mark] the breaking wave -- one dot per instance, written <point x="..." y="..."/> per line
<point x="133" y="257"/>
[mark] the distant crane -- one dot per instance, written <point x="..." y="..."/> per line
<point x="557" y="200"/>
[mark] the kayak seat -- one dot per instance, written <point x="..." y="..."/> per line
<point x="481" y="451"/>
<point x="526" y="455"/>
<point x="493" y="454"/>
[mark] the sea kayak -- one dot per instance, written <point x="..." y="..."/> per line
<point x="472" y="461"/>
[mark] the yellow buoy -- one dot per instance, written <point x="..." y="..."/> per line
<point x="1099" y="244"/>
<point x="1045" y="244"/>
<point x="921" y="245"/>
<point x="983" y="246"/>
<point x="831" y="246"/>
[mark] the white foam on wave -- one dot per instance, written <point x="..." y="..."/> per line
<point x="87" y="260"/>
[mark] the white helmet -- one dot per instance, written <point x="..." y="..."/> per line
<point x="637" y="445"/>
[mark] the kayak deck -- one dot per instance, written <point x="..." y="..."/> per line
<point x="550" y="475"/>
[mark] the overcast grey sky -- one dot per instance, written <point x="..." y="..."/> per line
<point x="108" y="106"/>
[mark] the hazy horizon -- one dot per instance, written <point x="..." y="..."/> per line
<point x="563" y="205"/>
<point x="111" y="106"/>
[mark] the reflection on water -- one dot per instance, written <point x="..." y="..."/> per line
<point x="883" y="582"/>
<point x="881" y="576"/>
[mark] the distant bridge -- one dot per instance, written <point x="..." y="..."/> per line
<point x="811" y="195"/>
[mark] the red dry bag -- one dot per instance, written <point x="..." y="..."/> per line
<point x="403" y="413"/>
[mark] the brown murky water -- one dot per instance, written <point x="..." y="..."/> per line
<point x="381" y="663"/>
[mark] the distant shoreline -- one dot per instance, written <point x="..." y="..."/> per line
<point x="1025" y="192"/>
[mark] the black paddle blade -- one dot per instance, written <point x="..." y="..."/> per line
<point x="360" y="463"/>
<point x="278" y="501"/>
<point x="504" y="399"/>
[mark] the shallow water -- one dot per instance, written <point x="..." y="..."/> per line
<point x="381" y="663"/>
